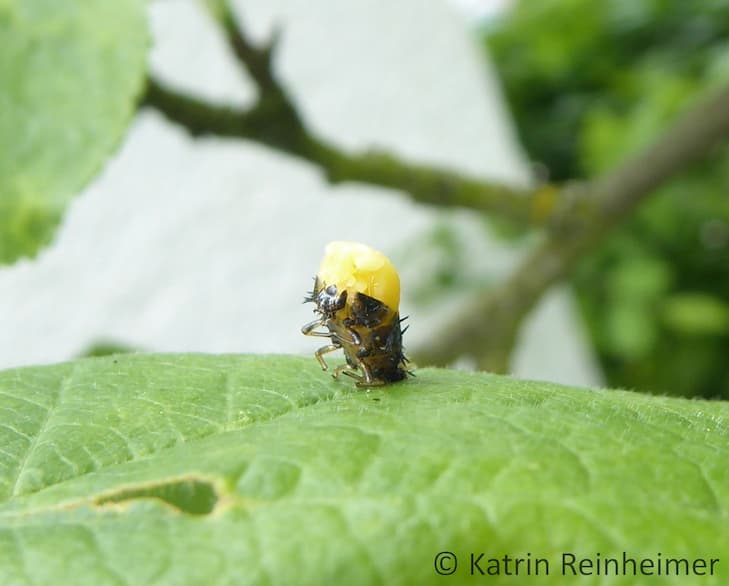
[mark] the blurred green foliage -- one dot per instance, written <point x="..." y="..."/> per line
<point x="439" y="262"/>
<point x="590" y="83"/>
<point x="70" y="75"/>
<point x="104" y="347"/>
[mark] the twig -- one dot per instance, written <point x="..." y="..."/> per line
<point x="576" y="217"/>
<point x="486" y="329"/>
<point x="275" y="121"/>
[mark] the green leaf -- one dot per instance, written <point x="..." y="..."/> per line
<point x="70" y="72"/>
<point x="194" y="469"/>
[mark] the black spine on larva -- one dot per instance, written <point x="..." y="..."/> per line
<point x="311" y="296"/>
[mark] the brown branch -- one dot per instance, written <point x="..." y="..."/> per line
<point x="487" y="327"/>
<point x="275" y="121"/>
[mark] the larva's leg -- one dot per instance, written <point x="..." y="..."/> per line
<point x="353" y="337"/>
<point x="325" y="350"/>
<point x="308" y="329"/>
<point x="368" y="380"/>
<point x="348" y="370"/>
<point x="356" y="340"/>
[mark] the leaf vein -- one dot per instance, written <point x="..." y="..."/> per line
<point x="56" y="400"/>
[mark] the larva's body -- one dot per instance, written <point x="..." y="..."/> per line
<point x="366" y="328"/>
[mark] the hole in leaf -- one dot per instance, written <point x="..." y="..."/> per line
<point x="188" y="495"/>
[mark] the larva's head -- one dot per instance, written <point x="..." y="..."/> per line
<point x="358" y="268"/>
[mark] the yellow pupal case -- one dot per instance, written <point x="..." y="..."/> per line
<point x="356" y="267"/>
